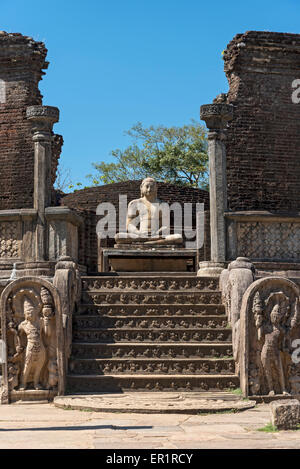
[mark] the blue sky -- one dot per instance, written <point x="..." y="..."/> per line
<point x="113" y="63"/>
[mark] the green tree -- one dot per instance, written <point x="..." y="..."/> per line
<point x="63" y="179"/>
<point x="176" y="155"/>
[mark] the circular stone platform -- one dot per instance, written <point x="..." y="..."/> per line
<point x="158" y="402"/>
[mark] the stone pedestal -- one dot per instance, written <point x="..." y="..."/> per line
<point x="152" y="259"/>
<point x="63" y="226"/>
<point x="210" y="269"/>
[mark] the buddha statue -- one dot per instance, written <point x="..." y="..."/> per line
<point x="144" y="220"/>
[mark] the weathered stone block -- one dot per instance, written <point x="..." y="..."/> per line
<point x="285" y="414"/>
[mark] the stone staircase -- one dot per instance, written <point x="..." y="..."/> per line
<point x="156" y="333"/>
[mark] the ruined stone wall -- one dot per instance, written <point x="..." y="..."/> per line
<point x="85" y="203"/>
<point x="22" y="61"/>
<point x="263" y="139"/>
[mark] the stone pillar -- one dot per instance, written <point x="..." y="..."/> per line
<point x="42" y="118"/>
<point x="216" y="117"/>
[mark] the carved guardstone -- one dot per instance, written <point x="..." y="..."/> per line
<point x="31" y="327"/>
<point x="269" y="329"/>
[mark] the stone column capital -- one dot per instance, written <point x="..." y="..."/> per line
<point x="216" y="116"/>
<point x="42" y="118"/>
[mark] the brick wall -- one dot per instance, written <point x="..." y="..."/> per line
<point x="22" y="61"/>
<point x="263" y="139"/>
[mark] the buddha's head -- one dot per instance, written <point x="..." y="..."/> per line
<point x="149" y="188"/>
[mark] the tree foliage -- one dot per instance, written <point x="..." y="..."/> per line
<point x="176" y="155"/>
<point x="63" y="179"/>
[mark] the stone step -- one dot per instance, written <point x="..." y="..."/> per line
<point x="164" y="402"/>
<point x="152" y="310"/>
<point x="162" y="322"/>
<point x="151" y="350"/>
<point x="135" y="283"/>
<point x="117" y="383"/>
<point x="149" y="366"/>
<point x="161" y="298"/>
<point x="153" y="335"/>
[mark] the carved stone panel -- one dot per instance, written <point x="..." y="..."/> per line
<point x="62" y="239"/>
<point x="268" y="240"/>
<point x="269" y="329"/>
<point x="31" y="327"/>
<point x="10" y="240"/>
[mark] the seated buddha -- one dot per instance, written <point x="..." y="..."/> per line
<point x="144" y="220"/>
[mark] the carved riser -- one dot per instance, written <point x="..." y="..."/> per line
<point x="151" y="310"/>
<point x="208" y="335"/>
<point x="156" y="284"/>
<point x="162" y="351"/>
<point x="154" y="383"/>
<point x="169" y="367"/>
<point x="162" y="322"/>
<point x="157" y="298"/>
<point x="155" y="336"/>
